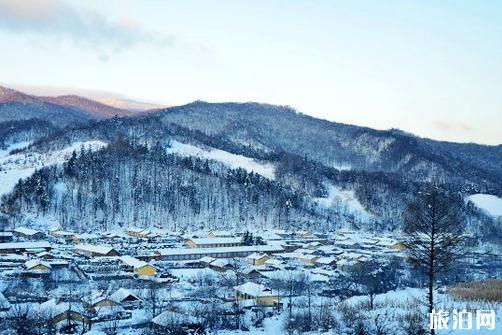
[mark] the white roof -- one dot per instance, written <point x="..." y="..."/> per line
<point x="52" y="308"/>
<point x="250" y="248"/>
<point x="35" y="262"/>
<point x="254" y="290"/>
<point x="97" y="249"/>
<point x="220" y="263"/>
<point x="256" y="256"/>
<point x="270" y="236"/>
<point x="216" y="240"/>
<point x="26" y="231"/>
<point x="121" y="294"/>
<point x="25" y="245"/>
<point x="62" y="233"/>
<point x="134" y="262"/>
<point x="87" y="236"/>
<point x="274" y="261"/>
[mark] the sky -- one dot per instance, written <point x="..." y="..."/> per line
<point x="432" y="68"/>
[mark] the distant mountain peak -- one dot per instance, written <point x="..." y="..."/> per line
<point x="94" y="108"/>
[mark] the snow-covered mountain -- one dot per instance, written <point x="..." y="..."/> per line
<point x="233" y="165"/>
<point x="60" y="110"/>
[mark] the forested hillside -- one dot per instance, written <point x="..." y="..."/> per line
<point x="240" y="165"/>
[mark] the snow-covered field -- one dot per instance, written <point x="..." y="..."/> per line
<point x="487" y="202"/>
<point x="231" y="160"/>
<point x="22" y="165"/>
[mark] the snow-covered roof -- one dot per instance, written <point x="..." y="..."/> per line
<point x="274" y="262"/>
<point x="221" y="263"/>
<point x="269" y="236"/>
<point x="35" y="262"/>
<point x="25" y="245"/>
<point x="216" y="240"/>
<point x="122" y="294"/>
<point x="134" y="262"/>
<point x="254" y="290"/>
<point x="97" y="249"/>
<point x="250" y="248"/>
<point x="256" y="256"/>
<point x="26" y="231"/>
<point x="62" y="233"/>
<point x="87" y="236"/>
<point x="221" y="233"/>
<point x="52" y="307"/>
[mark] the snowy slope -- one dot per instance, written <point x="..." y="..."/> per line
<point x="231" y="160"/>
<point x="487" y="202"/>
<point x="345" y="200"/>
<point x="22" y="165"/>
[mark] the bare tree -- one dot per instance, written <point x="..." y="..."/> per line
<point x="433" y="231"/>
<point x="154" y="297"/>
<point x="21" y="319"/>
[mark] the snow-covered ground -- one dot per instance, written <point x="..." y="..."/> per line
<point x="344" y="198"/>
<point x="22" y="165"/>
<point x="18" y="145"/>
<point x="487" y="202"/>
<point x="231" y="160"/>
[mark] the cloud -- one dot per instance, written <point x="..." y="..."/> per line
<point x="82" y="26"/>
<point x="452" y="126"/>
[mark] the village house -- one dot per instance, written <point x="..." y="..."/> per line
<point x="185" y="254"/>
<point x="24" y="247"/>
<point x="126" y="298"/>
<point x="251" y="273"/>
<point x="37" y="265"/>
<point x="62" y="311"/>
<point x="98" y="300"/>
<point x="326" y="262"/>
<point x="88" y="237"/>
<point x="215" y="233"/>
<point x="213" y="242"/>
<point x="95" y="250"/>
<point x="261" y="295"/>
<point x="28" y="233"/>
<point x="303" y="234"/>
<point x="139" y="267"/>
<point x="62" y="235"/>
<point x="221" y="265"/>
<point x="139" y="233"/>
<point x="275" y="263"/>
<point x="257" y="259"/>
<point x="307" y="260"/>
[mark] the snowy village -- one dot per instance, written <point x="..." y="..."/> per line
<point x="184" y="167"/>
<point x="153" y="281"/>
